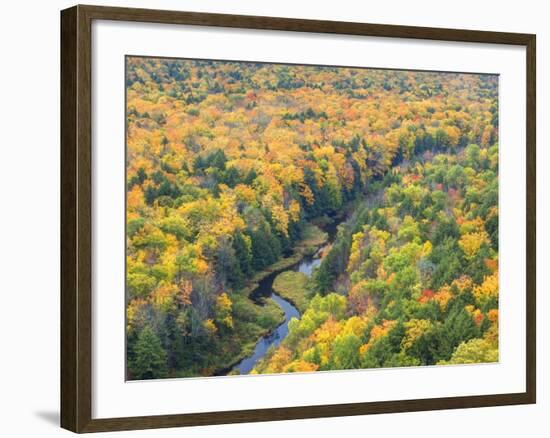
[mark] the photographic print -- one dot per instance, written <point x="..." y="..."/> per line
<point x="299" y="218"/>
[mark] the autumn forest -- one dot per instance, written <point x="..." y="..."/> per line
<point x="292" y="218"/>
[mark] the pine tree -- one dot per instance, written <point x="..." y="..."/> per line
<point x="149" y="356"/>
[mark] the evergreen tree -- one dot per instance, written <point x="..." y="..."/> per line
<point x="149" y="360"/>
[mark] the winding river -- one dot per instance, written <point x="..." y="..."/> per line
<point x="265" y="290"/>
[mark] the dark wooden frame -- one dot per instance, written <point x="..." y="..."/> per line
<point x="76" y="225"/>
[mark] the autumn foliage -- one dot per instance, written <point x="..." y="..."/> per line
<point x="227" y="162"/>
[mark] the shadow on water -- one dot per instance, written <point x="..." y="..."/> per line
<point x="265" y="290"/>
<point x="310" y="263"/>
<point x="272" y="339"/>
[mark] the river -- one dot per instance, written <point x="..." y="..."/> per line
<point x="265" y="290"/>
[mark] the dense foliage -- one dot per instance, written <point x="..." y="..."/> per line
<point x="419" y="285"/>
<point x="228" y="163"/>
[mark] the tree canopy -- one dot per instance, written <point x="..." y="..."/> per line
<point x="227" y="162"/>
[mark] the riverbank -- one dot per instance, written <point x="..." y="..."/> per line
<point x="313" y="238"/>
<point x="287" y="285"/>
<point x="248" y="334"/>
<point x="292" y="286"/>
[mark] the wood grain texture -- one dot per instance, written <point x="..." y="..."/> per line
<point x="76" y="219"/>
<point x="69" y="329"/>
<point x="531" y="217"/>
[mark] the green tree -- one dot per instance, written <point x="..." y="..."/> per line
<point x="474" y="351"/>
<point x="346" y="352"/>
<point x="243" y="252"/>
<point x="149" y="361"/>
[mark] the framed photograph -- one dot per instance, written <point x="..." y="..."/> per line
<point x="271" y="218"/>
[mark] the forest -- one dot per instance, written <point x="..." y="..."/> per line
<point x="236" y="172"/>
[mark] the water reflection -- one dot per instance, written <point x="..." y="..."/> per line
<point x="274" y="338"/>
<point x="265" y="290"/>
